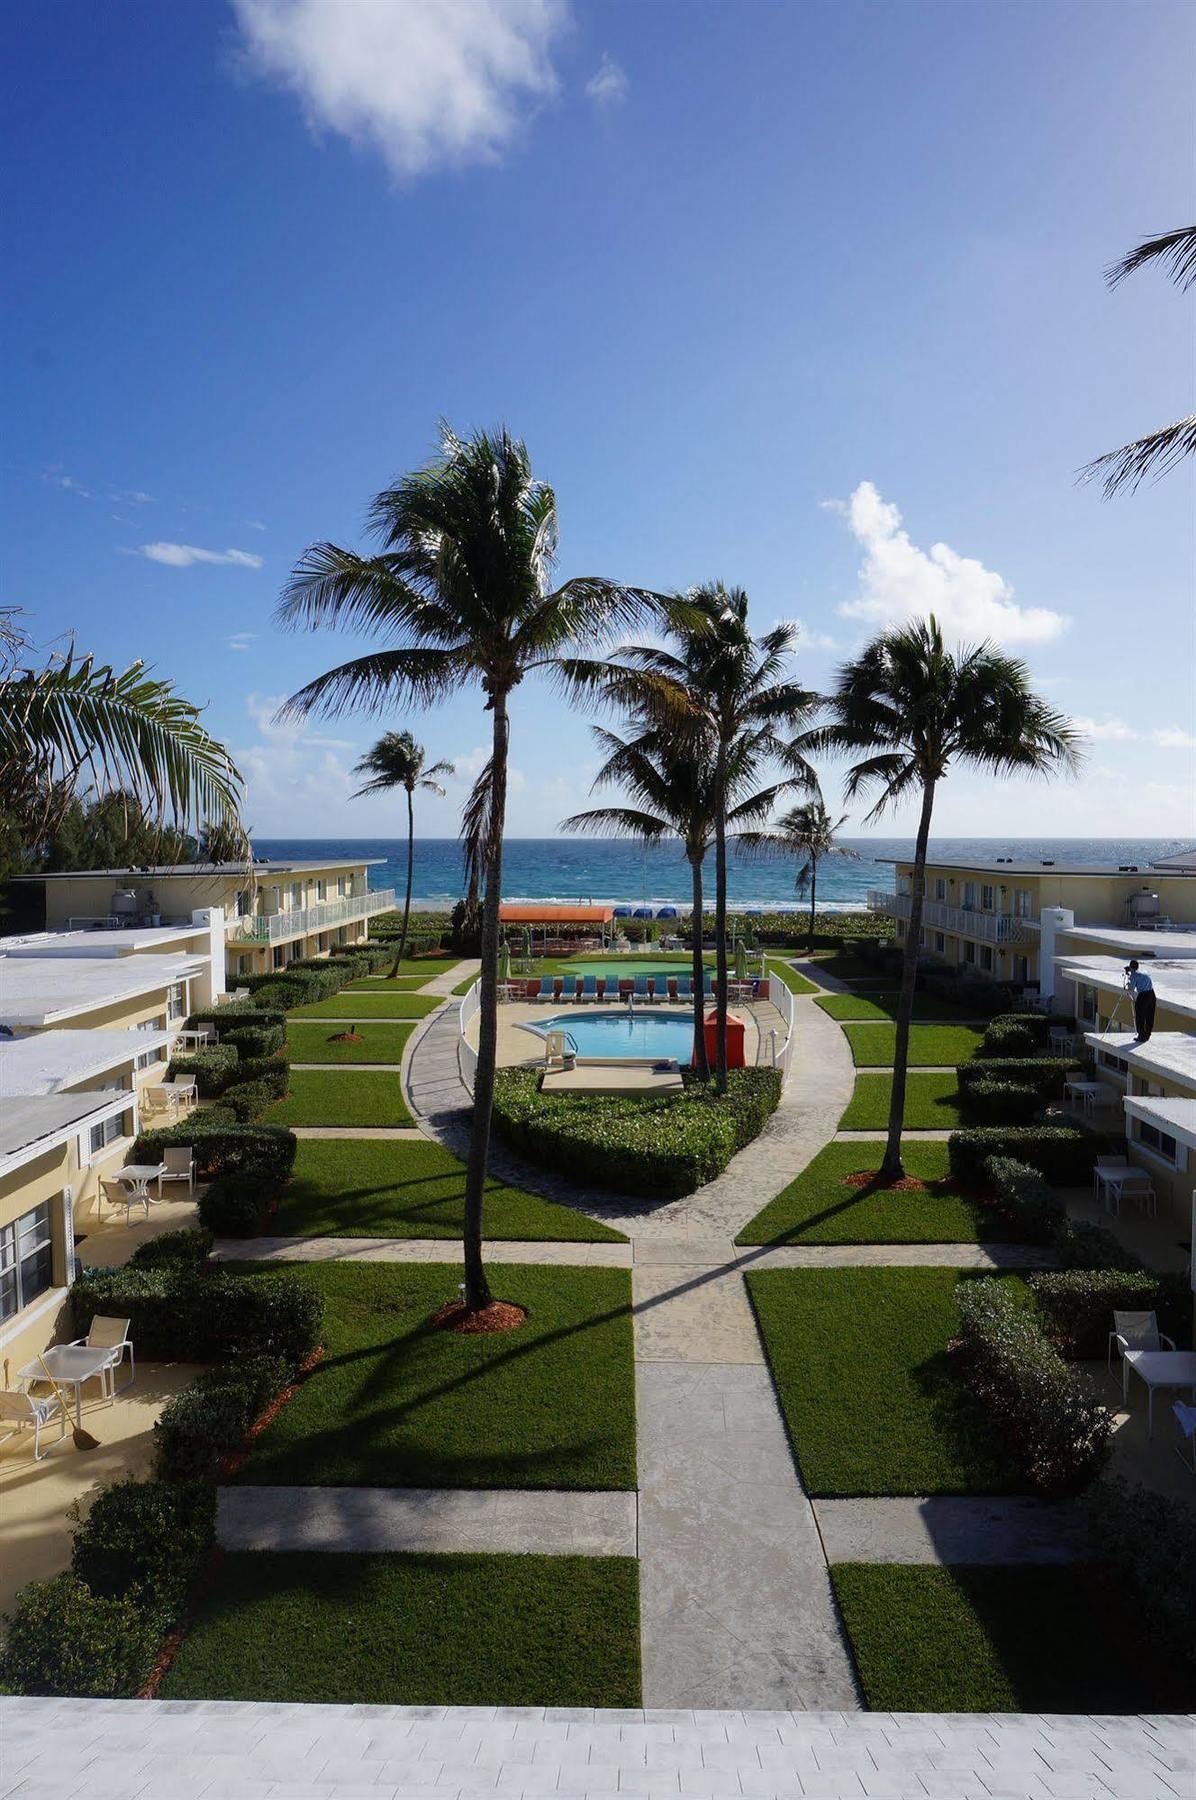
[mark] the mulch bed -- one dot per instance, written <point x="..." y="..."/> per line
<point x="346" y="1037"/>
<point x="909" y="1184"/>
<point x="500" y="1315"/>
<point x="234" y="1461"/>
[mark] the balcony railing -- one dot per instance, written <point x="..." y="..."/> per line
<point x="989" y="928"/>
<point x="300" y="921"/>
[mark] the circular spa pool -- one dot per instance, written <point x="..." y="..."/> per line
<point x="644" y="1033"/>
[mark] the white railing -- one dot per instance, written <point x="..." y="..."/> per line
<point x="467" y="1056"/>
<point x="990" y="928"/>
<point x="299" y="921"/>
<point x="781" y="1052"/>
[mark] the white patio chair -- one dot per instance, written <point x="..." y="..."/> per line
<point x="1134" y="1331"/>
<point x="19" y="1411"/>
<point x="1185" y="1433"/>
<point x="111" y="1335"/>
<point x="239" y="996"/>
<point x="179" y="1165"/>
<point x="1139" y="1188"/>
<point x="1061" y="1040"/>
<point x="1100" y="1165"/>
<point x="117" y="1193"/>
<point x="157" y="1101"/>
<point x="185" y="1091"/>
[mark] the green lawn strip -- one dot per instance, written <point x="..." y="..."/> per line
<point x="380" y="984"/>
<point x="396" y="1403"/>
<point x="851" y="968"/>
<point x="929" y="1045"/>
<point x="882" y="1005"/>
<point x="859" y="1361"/>
<point x="415" y="1630"/>
<point x="931" y="1103"/>
<point x="366" y="1097"/>
<point x="797" y="984"/>
<point x="317" y="1044"/>
<point x="423" y="966"/>
<point x="991" y="1640"/>
<point x="463" y="987"/>
<point x="822" y="1207"/>
<point x="368" y="1006"/>
<point x="379" y="1188"/>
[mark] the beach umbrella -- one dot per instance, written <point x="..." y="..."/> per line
<point x="504" y="962"/>
<point x="740" y="960"/>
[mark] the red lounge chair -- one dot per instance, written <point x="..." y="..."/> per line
<point x="601" y="987"/>
<point x="672" y="987"/>
<point x="626" y="988"/>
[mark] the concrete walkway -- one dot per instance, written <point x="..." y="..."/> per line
<point x="443" y="984"/>
<point x="238" y="1750"/>
<point x="441" y="1520"/>
<point x="952" y="1529"/>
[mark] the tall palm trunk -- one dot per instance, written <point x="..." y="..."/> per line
<point x="701" y="1060"/>
<point x="477" y="1288"/>
<point x="892" y="1168"/>
<point x="813" y="897"/>
<point x="410" y="872"/>
<point x="720" y="923"/>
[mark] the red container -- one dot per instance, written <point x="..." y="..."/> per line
<point x="735" y="1028"/>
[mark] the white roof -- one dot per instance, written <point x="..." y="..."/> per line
<point x="1186" y="860"/>
<point x="100" y="943"/>
<point x="45" y="1062"/>
<point x="1166" y="1055"/>
<point x="1178" y="941"/>
<point x="36" y="1123"/>
<point x="1174" y="980"/>
<point x="41" y="990"/>
<point x="1176" y="1117"/>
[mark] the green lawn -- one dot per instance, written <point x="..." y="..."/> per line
<point x="994" y="1640"/>
<point x="797" y="984"/>
<point x="376" y="1188"/>
<point x="423" y="966"/>
<point x="341" y="1097"/>
<point x="463" y="987"/>
<point x="316" y="1044"/>
<point x="929" y="1045"/>
<point x="368" y="1006"/>
<point x="381" y="984"/>
<point x="931" y="1103"/>
<point x="822" y="1207"/>
<point x="415" y="1630"/>
<point x="882" y="1004"/>
<point x="859" y="1360"/>
<point x="851" y="968"/>
<point x="395" y="1403"/>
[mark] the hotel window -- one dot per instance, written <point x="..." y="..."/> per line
<point x="986" y="957"/>
<point x="1023" y="903"/>
<point x="940" y="942"/>
<point x="244" y="965"/>
<point x="340" y="887"/>
<point x="940" y="888"/>
<point x="968" y="901"/>
<point x="100" y="1136"/>
<point x="1117" y="1064"/>
<point x="1088" y="1005"/>
<point x="148" y="1058"/>
<point x="1161" y="1142"/>
<point x="922" y="937"/>
<point x="26" y="1260"/>
<point x="243" y="903"/>
<point x="1021" y="969"/>
<point x="986" y="896"/>
<point x="296" y="896"/>
<point x="969" y="952"/>
<point x="321" y="889"/>
<point x="280" y="957"/>
<point x="176" y="1001"/>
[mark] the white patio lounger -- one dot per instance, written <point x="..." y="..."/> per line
<point x="111" y="1335"/>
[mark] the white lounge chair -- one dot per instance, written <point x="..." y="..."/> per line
<point x="1134" y="1331"/>
<point x="118" y="1193"/>
<point x="19" y="1411"/>
<point x="112" y="1336"/>
<point x="178" y="1165"/>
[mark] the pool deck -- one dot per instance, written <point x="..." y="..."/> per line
<point x="613" y="1078"/>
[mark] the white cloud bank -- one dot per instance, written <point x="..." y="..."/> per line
<point x="425" y="82"/>
<point x="609" y="85"/>
<point x="899" y="582"/>
<point x="181" y="556"/>
<point x="1116" y="731"/>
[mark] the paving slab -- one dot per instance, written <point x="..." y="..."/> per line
<point x="416" y="1250"/>
<point x="952" y="1529"/>
<point x="442" y="1520"/>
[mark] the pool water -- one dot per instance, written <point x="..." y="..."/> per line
<point x="615" y="1036"/>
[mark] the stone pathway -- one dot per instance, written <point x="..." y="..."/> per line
<point x="506" y="1520"/>
<point x="468" y="967"/>
<point x="952" y="1529"/>
<point x="240" y="1750"/>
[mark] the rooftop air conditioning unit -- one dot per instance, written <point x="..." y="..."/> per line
<point x="123" y="906"/>
<point x="1143" y="905"/>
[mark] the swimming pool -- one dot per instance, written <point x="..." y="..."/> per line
<point x="624" y="1035"/>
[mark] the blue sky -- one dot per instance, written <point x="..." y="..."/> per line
<point x="807" y="298"/>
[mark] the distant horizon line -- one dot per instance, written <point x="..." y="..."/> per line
<point x="975" y="837"/>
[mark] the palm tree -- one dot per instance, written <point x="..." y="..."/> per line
<point x="914" y="708"/>
<point x="1159" y="451"/>
<point x="807" y="833"/>
<point x="671" y="774"/>
<point x="714" y="675"/>
<point x="459" y="592"/>
<point x="395" y="761"/>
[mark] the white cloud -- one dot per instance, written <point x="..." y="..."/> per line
<point x="807" y="637"/>
<point x="255" y="525"/>
<point x="263" y="710"/>
<point x="131" y="497"/>
<point x="1172" y="737"/>
<point x="898" y="582"/>
<point x="608" y="87"/>
<point x="423" y="82"/>
<point x="1113" y="731"/>
<point x="56" y="478"/>
<point x="181" y="556"/>
<point x="241" y="640"/>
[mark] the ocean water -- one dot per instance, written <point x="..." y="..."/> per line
<point x="571" y="869"/>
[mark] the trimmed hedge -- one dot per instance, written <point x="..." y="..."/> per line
<point x="1036" y="1215"/>
<point x="256" y="1041"/>
<point x="212" y="1416"/>
<point x="189" y="1247"/>
<point x="236" y="1016"/>
<point x="275" y="1069"/>
<point x="63" y="1639"/>
<point x="1064" y="1154"/>
<point x="1001" y="1102"/>
<point x="266" y="1152"/>
<point x="248" y="1100"/>
<point x="148" y="1541"/>
<point x="657" y="1146"/>
<point x="233" y="1206"/>
<point x="284" y="988"/>
<point x="212" y="1068"/>
<point x="1148" y="1538"/>
<point x="1058" y="1435"/>
<point x="1024" y="1034"/>
<point x="178" y="1315"/>
<point x="1044" y="1074"/>
<point x="1076" y="1306"/>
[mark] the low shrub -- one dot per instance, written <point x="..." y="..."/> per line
<point x="660" y="1147"/>
<point x="1024" y="1034"/>
<point x="1001" y="1102"/>
<point x="238" y="1015"/>
<point x="347" y="965"/>
<point x="179" y="1316"/>
<point x="1079" y="1244"/>
<point x="250" y="1041"/>
<point x="1023" y="1199"/>
<point x="274" y="1070"/>
<point x="1056" y="1432"/>
<point x="233" y="1206"/>
<point x="212" y="1068"/>
<point x="211" y="1417"/>
<point x="226" y="1148"/>
<point x="284" y="988"/>
<point x="1045" y="1074"/>
<point x="1076" y="1306"/>
<point x="1064" y="1154"/>
<point x="63" y="1639"/>
<point x="189" y="1247"/>
<point x="248" y="1100"/>
<point x="147" y="1540"/>
<point x="1147" y="1537"/>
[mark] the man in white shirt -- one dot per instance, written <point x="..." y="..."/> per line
<point x="1141" y="988"/>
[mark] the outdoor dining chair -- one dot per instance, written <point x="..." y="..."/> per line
<point x="185" y="1091"/>
<point x="1134" y="1331"/>
<point x="19" y="1411"/>
<point x="179" y="1165"/>
<point x="112" y="1336"/>
<point x="118" y="1193"/>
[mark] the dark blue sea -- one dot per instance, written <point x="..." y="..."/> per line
<point x="597" y="869"/>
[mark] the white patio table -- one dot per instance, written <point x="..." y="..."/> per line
<point x="138" y="1176"/>
<point x="195" y="1037"/>
<point x="70" y="1365"/>
<point x="1110" y="1183"/>
<point x="1161" y="1369"/>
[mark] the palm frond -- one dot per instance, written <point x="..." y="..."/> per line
<point x="1153" y="456"/>
<point x="380" y="680"/>
<point x="1175" y="250"/>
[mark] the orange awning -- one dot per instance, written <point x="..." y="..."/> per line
<point x="537" y="913"/>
